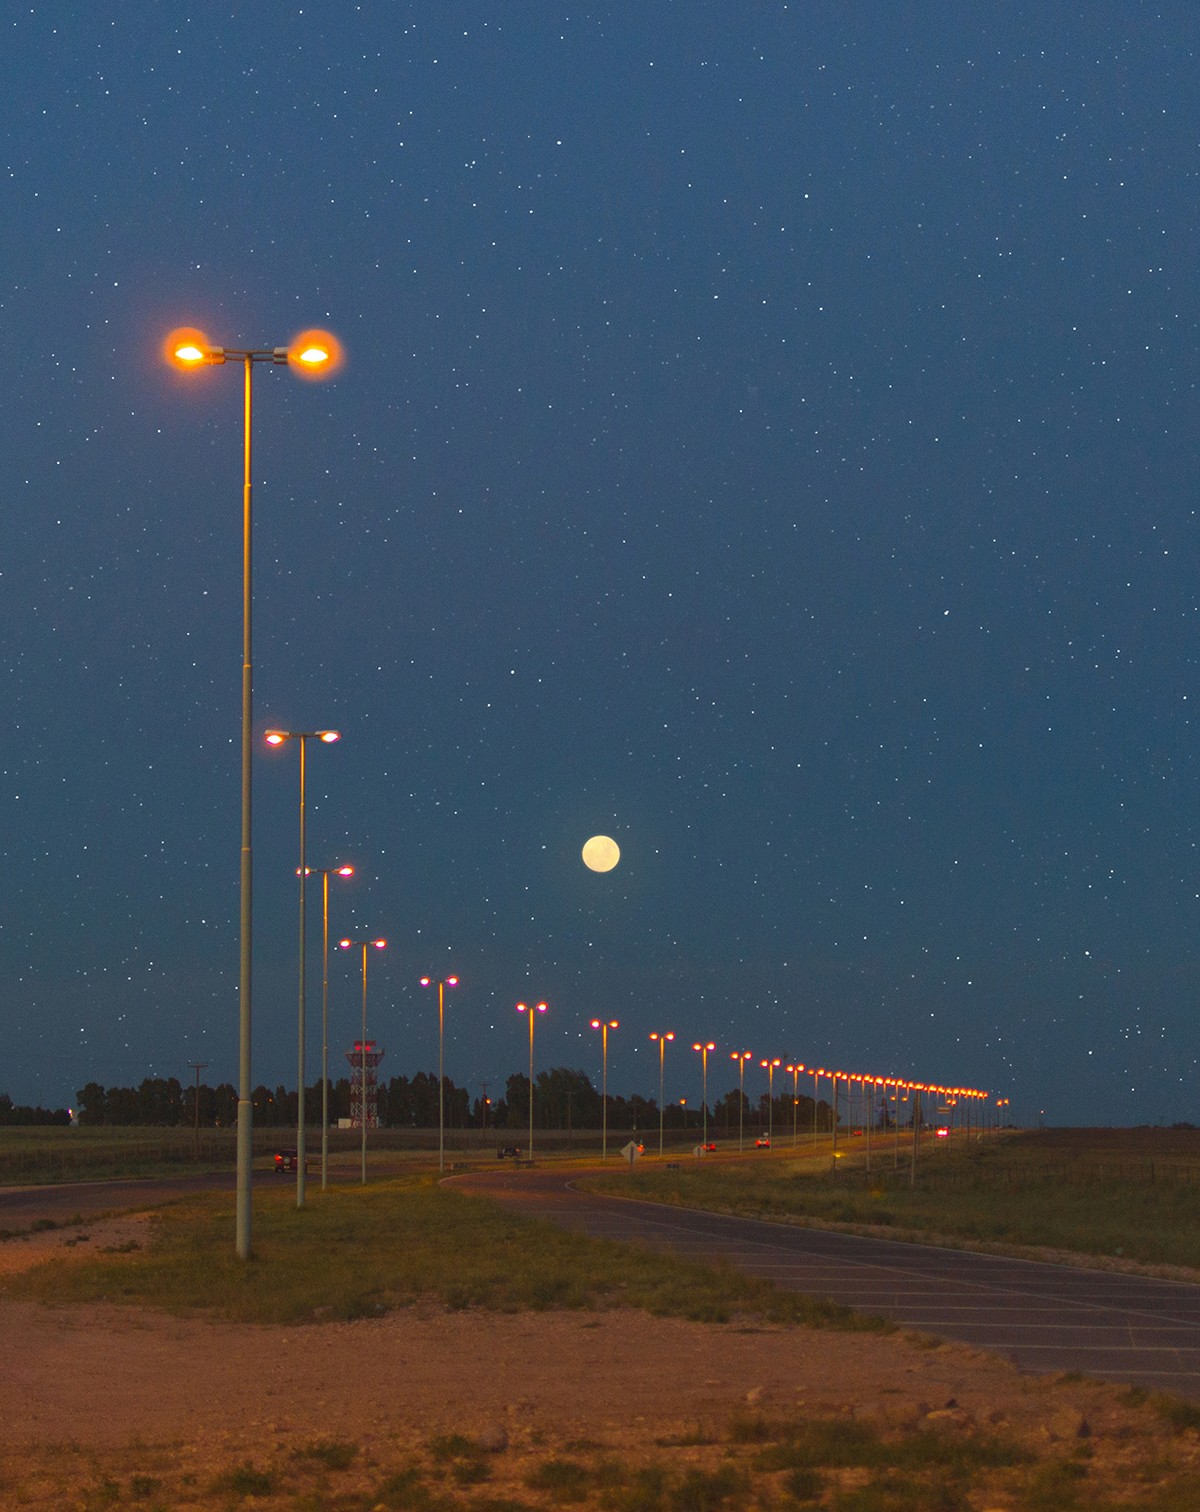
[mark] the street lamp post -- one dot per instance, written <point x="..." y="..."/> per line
<point x="532" y="1012"/>
<point x="795" y="1068"/>
<point x="704" y="1049"/>
<point x="441" y="987"/>
<point x="662" y="1039"/>
<point x="769" y="1067"/>
<point x="741" y="1057"/>
<point x="316" y="354"/>
<point x="324" y="872"/>
<point x="278" y="738"/>
<point x="604" y="1025"/>
<point x="362" y="1048"/>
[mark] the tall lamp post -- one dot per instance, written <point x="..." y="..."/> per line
<point x="704" y="1049"/>
<point x="441" y="987"/>
<point x="325" y="872"/>
<point x="604" y="1025"/>
<point x="362" y="1048"/>
<point x="795" y="1068"/>
<point x="533" y="1013"/>
<point x="769" y="1067"/>
<point x="662" y="1039"/>
<point x="741" y="1057"/>
<point x="314" y="353"/>
<point x="278" y="738"/>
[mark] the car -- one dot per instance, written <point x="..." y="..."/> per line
<point x="943" y="1132"/>
<point x="762" y="1143"/>
<point x="288" y="1160"/>
<point x="710" y="1146"/>
<point x="508" y="1152"/>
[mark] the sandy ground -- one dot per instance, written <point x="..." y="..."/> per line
<point x="210" y="1394"/>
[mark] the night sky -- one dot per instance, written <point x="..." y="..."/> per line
<point x="768" y="437"/>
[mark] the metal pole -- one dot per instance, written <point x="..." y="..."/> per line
<point x="197" y="1067"/>
<point x="441" y="1085"/>
<point x="300" y="1128"/>
<point x="245" y="1112"/>
<point x="870" y="1117"/>
<point x="325" y="1029"/>
<point x="604" y="1092"/>
<point x="532" y="1011"/>
<point x="662" y="1051"/>
<point x="916" y="1118"/>
<point x="363" y="1052"/>
<point x="704" y="1093"/>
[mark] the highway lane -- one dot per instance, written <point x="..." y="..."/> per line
<point x="1045" y="1318"/>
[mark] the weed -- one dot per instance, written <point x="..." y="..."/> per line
<point x="406" y="1491"/>
<point x="452" y="1446"/>
<point x="1174" y="1410"/>
<point x="142" y="1487"/>
<point x="705" y="1490"/>
<point x="753" y="1428"/>
<point x="896" y="1493"/>
<point x="332" y="1453"/>
<point x="245" y="1480"/>
<point x="567" y="1480"/>
<point x="1055" y="1487"/>
<point x="804" y="1485"/>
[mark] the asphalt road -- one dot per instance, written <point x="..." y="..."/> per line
<point x="1042" y="1317"/>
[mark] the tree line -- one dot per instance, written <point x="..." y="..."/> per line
<point x="562" y="1099"/>
<point x="22" y="1115"/>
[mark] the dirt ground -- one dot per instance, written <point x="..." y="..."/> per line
<point x="82" y="1389"/>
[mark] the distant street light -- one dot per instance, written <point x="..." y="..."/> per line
<point x="704" y="1049"/>
<point x="741" y="1059"/>
<point x="533" y="1013"/>
<point x="662" y="1050"/>
<point x="769" y="1067"/>
<point x="604" y="1025"/>
<point x="325" y="872"/>
<point x="278" y="738"/>
<point x="441" y="987"/>
<point x="315" y="354"/>
<point x="362" y="1049"/>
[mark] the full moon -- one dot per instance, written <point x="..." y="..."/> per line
<point x="601" y="854"/>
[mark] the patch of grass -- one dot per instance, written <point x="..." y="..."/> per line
<point x="406" y="1491"/>
<point x="895" y="1493"/>
<point x="244" y="1480"/>
<point x="844" y="1443"/>
<point x="803" y="1485"/>
<point x="1176" y="1411"/>
<point x="564" y="1479"/>
<point x="706" y="1490"/>
<point x="334" y="1454"/>
<point x="337" y="1259"/>
<point x="1092" y="1193"/>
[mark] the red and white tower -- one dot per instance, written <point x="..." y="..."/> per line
<point x="364" y="1086"/>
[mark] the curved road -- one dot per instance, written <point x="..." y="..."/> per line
<point x="1042" y="1317"/>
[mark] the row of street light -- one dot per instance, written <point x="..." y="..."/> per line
<point x="316" y="354"/>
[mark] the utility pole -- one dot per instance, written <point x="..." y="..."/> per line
<point x="197" y="1067"/>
